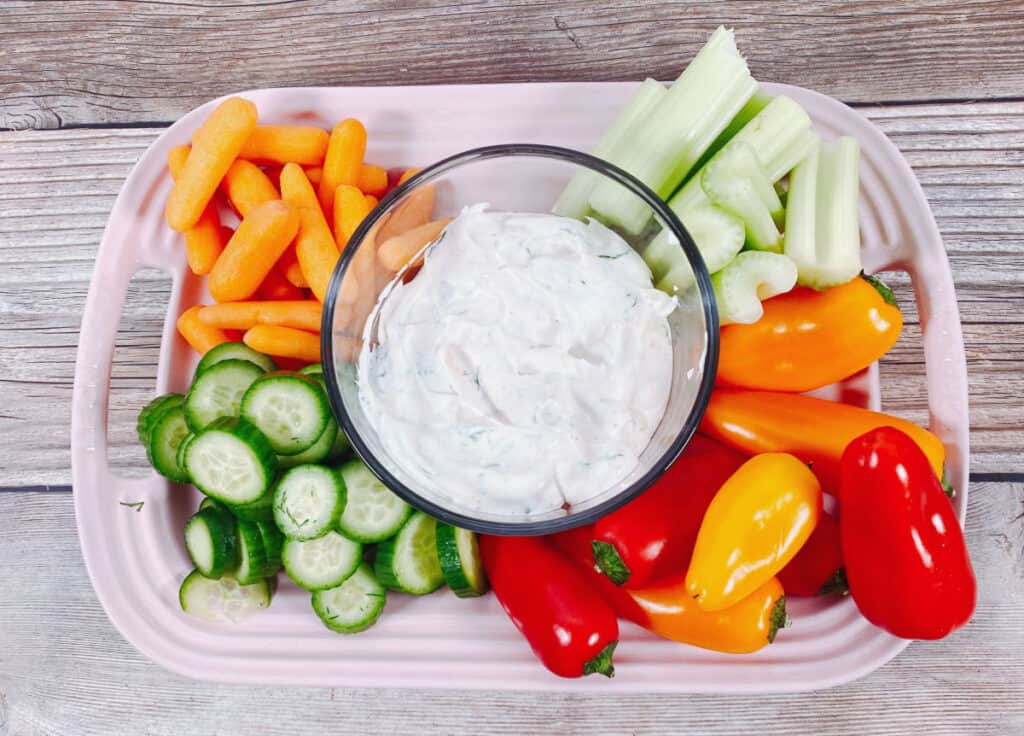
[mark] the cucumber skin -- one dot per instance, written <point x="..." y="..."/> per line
<point x="218" y="522"/>
<point x="151" y="412"/>
<point x="384" y="568"/>
<point x="247" y="434"/>
<point x="195" y="576"/>
<point x="177" y="473"/>
<point x="250" y="539"/>
<point x="191" y="412"/>
<point x="262" y="509"/>
<point x="446" y="539"/>
<point x="295" y="578"/>
<point x="212" y="357"/>
<point x="355" y="465"/>
<point x="355" y="628"/>
<point x="311" y="381"/>
<point x="273" y="542"/>
<point x="316" y="453"/>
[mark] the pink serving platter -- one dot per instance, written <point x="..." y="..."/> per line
<point x="137" y="560"/>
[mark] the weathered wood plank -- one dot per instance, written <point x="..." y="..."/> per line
<point x="63" y="668"/>
<point x="60" y="185"/>
<point x="154" y="61"/>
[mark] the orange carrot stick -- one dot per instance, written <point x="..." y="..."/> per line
<point x="204" y="241"/>
<point x="214" y="146"/>
<point x="281" y="144"/>
<point x="407" y="175"/>
<point x="284" y="342"/>
<point x="395" y="252"/>
<point x="343" y="161"/>
<point x="276" y="287"/>
<point x="314" y="174"/>
<point x="414" y="210"/>
<point x="248" y="187"/>
<point x="289" y="265"/>
<point x="371" y="201"/>
<point x="200" y="336"/>
<point x="302" y="315"/>
<point x="349" y="210"/>
<point x="253" y="250"/>
<point x="314" y="245"/>
<point x="373" y="179"/>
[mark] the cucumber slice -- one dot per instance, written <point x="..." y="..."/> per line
<point x="353" y="606"/>
<point x="234" y="351"/>
<point x="322" y="563"/>
<point x="289" y="408"/>
<point x="231" y="461"/>
<point x="262" y="509"/>
<point x="308" y="501"/>
<point x="152" y="411"/>
<point x="209" y="503"/>
<point x="168" y="432"/>
<point x="319" y="451"/>
<point x="372" y="513"/>
<point x="341" y="448"/>
<point x="217" y="392"/>
<point x="408" y="561"/>
<point x="314" y="370"/>
<point x="210" y="542"/>
<point x="459" y="555"/>
<point x="751" y="278"/>
<point x="222" y="601"/>
<point x="253" y="562"/>
<point x="273" y="544"/>
<point x="183" y="449"/>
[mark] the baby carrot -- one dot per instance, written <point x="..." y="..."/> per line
<point x="414" y="210"/>
<point x="281" y="144"/>
<point x="397" y="251"/>
<point x="248" y="187"/>
<point x="200" y="336"/>
<point x="314" y="245"/>
<point x="407" y="175"/>
<point x="253" y="250"/>
<point x="302" y="315"/>
<point x="214" y="146"/>
<point x="371" y="201"/>
<point x="276" y="287"/>
<point x="205" y="240"/>
<point x="349" y="210"/>
<point x="289" y="265"/>
<point x="284" y="342"/>
<point x="373" y="179"/>
<point x="314" y="174"/>
<point x="344" y="159"/>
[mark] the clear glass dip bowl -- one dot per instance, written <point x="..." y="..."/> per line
<point x="511" y="178"/>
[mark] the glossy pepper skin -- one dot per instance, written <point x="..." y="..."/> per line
<point x="808" y="339"/>
<point x="567" y="623"/>
<point x="755" y="525"/>
<point x="668" y="610"/>
<point x="653" y="536"/>
<point x="906" y="560"/>
<point x="815" y="430"/>
<point x="818" y="566"/>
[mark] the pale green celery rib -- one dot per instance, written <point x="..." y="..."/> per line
<point x="748" y="112"/>
<point x="748" y="280"/>
<point x="573" y="201"/>
<point x="707" y="95"/>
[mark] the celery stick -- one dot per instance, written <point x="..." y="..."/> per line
<point x="748" y="112"/>
<point x="718" y="236"/>
<point x="573" y="202"/>
<point x="735" y="181"/>
<point x="751" y="278"/>
<point x="663" y="149"/>
<point x="822" y="229"/>
<point x="780" y="135"/>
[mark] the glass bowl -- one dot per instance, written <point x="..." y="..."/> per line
<point x="511" y="178"/>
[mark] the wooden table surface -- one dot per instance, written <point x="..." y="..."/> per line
<point x="86" y="86"/>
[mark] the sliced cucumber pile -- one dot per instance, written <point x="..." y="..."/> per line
<point x="261" y="445"/>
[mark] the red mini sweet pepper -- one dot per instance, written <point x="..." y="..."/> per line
<point x="906" y="560"/>
<point x="653" y="535"/>
<point x="567" y="623"/>
<point x="818" y="566"/>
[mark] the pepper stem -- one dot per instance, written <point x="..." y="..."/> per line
<point x="608" y="561"/>
<point x="887" y="296"/>
<point x="779" y="619"/>
<point x="836" y="584"/>
<point x="602" y="662"/>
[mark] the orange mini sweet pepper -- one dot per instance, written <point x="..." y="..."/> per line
<point x="755" y="525"/>
<point x="815" y="430"/>
<point x="808" y="339"/>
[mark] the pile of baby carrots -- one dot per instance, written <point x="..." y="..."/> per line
<point x="299" y="193"/>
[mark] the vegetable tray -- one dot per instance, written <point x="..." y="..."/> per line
<point x="137" y="559"/>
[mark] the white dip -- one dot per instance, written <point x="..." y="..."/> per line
<point x="526" y="365"/>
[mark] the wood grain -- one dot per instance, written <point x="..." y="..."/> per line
<point x="63" y="667"/>
<point x="58" y="188"/>
<point x="153" y="61"/>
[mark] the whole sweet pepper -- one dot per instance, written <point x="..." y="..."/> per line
<point x="815" y="430"/>
<point x="755" y="525"/>
<point x="569" y="626"/>
<point x="653" y="536"/>
<point x="807" y="339"/>
<point x="818" y="566"/>
<point x="906" y="560"/>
